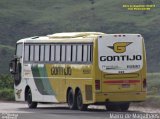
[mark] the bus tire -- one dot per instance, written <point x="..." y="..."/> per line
<point x="71" y="100"/>
<point x="30" y="103"/>
<point x="80" y="104"/>
<point x="112" y="107"/>
<point x="124" y="106"/>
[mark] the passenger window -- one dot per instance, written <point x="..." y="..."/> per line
<point x="47" y="52"/>
<point x="52" y="53"/>
<point x="90" y="51"/>
<point x="26" y="52"/>
<point x="74" y="53"/>
<point x="63" y="53"/>
<point x="79" y="53"/>
<point x="68" y="53"/>
<point x="36" y="52"/>
<point x="85" y="53"/>
<point x="31" y="52"/>
<point x="41" y="53"/>
<point x="57" y="53"/>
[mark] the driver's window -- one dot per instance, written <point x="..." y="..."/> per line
<point x="19" y="50"/>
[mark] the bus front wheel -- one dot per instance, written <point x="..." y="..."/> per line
<point x="80" y="104"/>
<point x="30" y="103"/>
<point x="71" y="100"/>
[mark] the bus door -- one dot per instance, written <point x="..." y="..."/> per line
<point x="120" y="61"/>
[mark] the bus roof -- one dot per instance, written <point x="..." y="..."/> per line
<point x="71" y="37"/>
<point x="74" y="34"/>
<point x="60" y="36"/>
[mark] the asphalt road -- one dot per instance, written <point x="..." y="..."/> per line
<point x="13" y="110"/>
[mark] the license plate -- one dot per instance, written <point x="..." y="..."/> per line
<point x="125" y="85"/>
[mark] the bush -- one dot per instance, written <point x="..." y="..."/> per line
<point x="6" y="87"/>
<point x="7" y="94"/>
<point x="6" y="81"/>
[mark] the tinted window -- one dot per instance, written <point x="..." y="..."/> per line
<point x="41" y="53"/>
<point x="74" y="53"/>
<point x="63" y="53"/>
<point x="57" y="53"/>
<point x="47" y="52"/>
<point x="85" y="48"/>
<point x="68" y="53"/>
<point x="26" y="53"/>
<point x="19" y="50"/>
<point x="52" y="52"/>
<point x="31" y="52"/>
<point x="79" y="53"/>
<point x="36" y="52"/>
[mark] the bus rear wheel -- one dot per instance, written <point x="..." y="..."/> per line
<point x="118" y="106"/>
<point x="124" y="106"/>
<point x="80" y="104"/>
<point x="71" y="100"/>
<point x="112" y="107"/>
<point x="30" y="103"/>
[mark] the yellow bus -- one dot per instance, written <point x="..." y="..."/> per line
<point x="81" y="69"/>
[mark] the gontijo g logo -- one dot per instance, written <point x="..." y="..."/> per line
<point x="120" y="47"/>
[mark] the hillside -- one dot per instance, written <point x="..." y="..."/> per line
<point x="25" y="18"/>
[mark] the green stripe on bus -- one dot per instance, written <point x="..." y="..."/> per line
<point x="41" y="80"/>
<point x="45" y="81"/>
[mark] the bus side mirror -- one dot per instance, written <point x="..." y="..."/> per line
<point x="12" y="67"/>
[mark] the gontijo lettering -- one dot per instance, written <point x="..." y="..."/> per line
<point x="61" y="71"/>
<point x="121" y="58"/>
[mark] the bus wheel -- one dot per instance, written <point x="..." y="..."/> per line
<point x="80" y="104"/>
<point x="112" y="107"/>
<point x="124" y="106"/>
<point x="71" y="100"/>
<point x="29" y="100"/>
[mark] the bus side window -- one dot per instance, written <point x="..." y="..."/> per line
<point x="79" y="53"/>
<point x="52" y="52"/>
<point x="36" y="52"/>
<point x="85" y="53"/>
<point x="90" y="51"/>
<point x="26" y="53"/>
<point x="63" y="53"/>
<point x="42" y="53"/>
<point x="74" y="53"/>
<point x="57" y="53"/>
<point x="31" y="52"/>
<point x="68" y="53"/>
<point x="47" y="52"/>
